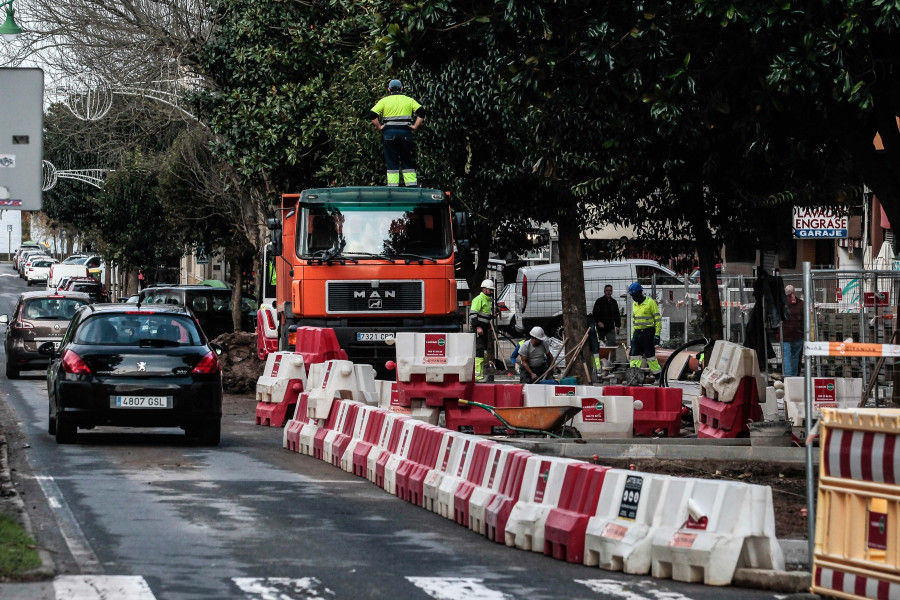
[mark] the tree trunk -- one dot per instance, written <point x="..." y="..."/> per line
<point x="237" y="280"/>
<point x="712" y="304"/>
<point x="571" y="275"/>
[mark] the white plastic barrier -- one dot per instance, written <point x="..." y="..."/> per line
<point x="619" y="535"/>
<point x="338" y="382"/>
<point x="308" y="436"/>
<point x="490" y="485"/>
<point x="386" y="391"/>
<point x="453" y="477"/>
<point x="828" y="392"/>
<point x="728" y="364"/>
<point x="708" y="528"/>
<point x="391" y="420"/>
<point x="359" y="432"/>
<point x="365" y="379"/>
<point x="449" y="454"/>
<point x="541" y="486"/>
<point x="344" y="413"/>
<point x="281" y="368"/>
<point x="613" y="419"/>
<point x="435" y="355"/>
<point x="399" y="455"/>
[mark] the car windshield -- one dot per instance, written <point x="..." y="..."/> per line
<point x="380" y="229"/>
<point x="51" y="309"/>
<point x="138" y="329"/>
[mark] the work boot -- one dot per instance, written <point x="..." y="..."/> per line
<point x="633" y="377"/>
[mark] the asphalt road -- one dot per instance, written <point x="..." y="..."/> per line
<point x="131" y="513"/>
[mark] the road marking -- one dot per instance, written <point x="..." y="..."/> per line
<point x="453" y="588"/>
<point x="68" y="526"/>
<point x="102" y="587"/>
<point x="628" y="590"/>
<point x="282" y="588"/>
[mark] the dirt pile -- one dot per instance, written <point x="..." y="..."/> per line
<point x="241" y="366"/>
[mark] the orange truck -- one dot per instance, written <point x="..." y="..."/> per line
<point x="368" y="262"/>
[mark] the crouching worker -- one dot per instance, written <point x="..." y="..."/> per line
<point x="646" y="325"/>
<point x="535" y="357"/>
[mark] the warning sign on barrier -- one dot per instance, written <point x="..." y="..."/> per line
<point x="631" y="496"/>
<point x="276" y="366"/>
<point x="543" y="476"/>
<point x="613" y="531"/>
<point x="564" y="390"/>
<point x="877" y="530"/>
<point x="824" y="393"/>
<point x="593" y="410"/>
<point x="683" y="540"/>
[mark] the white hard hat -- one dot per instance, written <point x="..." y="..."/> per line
<point x="537" y="332"/>
<point x="488" y="283"/>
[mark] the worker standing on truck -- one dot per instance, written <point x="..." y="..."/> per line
<point x="646" y="325"/>
<point x="401" y="116"/>
<point x="480" y="315"/>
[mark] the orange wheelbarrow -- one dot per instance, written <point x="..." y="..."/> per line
<point x="540" y="420"/>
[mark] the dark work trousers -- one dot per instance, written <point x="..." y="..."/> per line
<point x="399" y="151"/>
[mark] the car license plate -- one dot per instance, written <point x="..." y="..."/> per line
<point x="140" y="401"/>
<point x="374" y="336"/>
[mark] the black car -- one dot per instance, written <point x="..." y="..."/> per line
<point x="210" y="305"/>
<point x="124" y="365"/>
<point x="89" y="286"/>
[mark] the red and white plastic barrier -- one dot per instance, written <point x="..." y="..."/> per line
<point x="449" y="453"/>
<point x="656" y="410"/>
<point x="498" y="462"/>
<point x="432" y="357"/>
<point x="564" y="532"/>
<point x="338" y="382"/>
<point x="471" y="477"/>
<point x="387" y="445"/>
<point x="732" y="388"/>
<point x="540" y="491"/>
<point x="360" y="448"/>
<point x="600" y="417"/>
<point x="618" y="536"/>
<point x="399" y="455"/>
<point x="357" y="436"/>
<point x="266" y="331"/>
<point x="277" y="389"/>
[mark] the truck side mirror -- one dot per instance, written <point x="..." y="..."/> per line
<point x="274" y="226"/>
<point x="460" y="229"/>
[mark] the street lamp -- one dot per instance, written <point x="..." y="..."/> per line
<point x="9" y="30"/>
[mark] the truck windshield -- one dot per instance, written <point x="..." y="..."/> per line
<point x="380" y="229"/>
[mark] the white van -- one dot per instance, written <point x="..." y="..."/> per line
<point x="539" y="297"/>
<point x="60" y="271"/>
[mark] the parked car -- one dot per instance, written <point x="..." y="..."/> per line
<point x="25" y="246"/>
<point x="38" y="270"/>
<point x="39" y="317"/>
<point x="89" y="286"/>
<point x="24" y="257"/>
<point x="74" y="259"/>
<point x="210" y="305"/>
<point x="134" y="366"/>
<point x="539" y="296"/>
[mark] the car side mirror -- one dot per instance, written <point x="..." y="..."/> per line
<point x="4" y="319"/>
<point x="47" y="349"/>
<point x="219" y="350"/>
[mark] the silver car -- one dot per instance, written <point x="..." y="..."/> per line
<point x="506" y="304"/>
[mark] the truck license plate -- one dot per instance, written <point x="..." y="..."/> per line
<point x="373" y="336"/>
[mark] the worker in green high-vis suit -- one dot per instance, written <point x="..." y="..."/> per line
<point x="646" y="325"/>
<point x="480" y="315"/>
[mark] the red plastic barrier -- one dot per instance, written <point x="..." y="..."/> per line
<point x="276" y="414"/>
<point x="434" y="394"/>
<point x="566" y="525"/>
<point x="370" y="438"/>
<point x="319" y="439"/>
<point x="342" y="440"/>
<point x="473" y="477"/>
<point x="730" y="419"/>
<point x="391" y="449"/>
<point x="496" y="513"/>
<point x="661" y="412"/>
<point x="418" y="451"/>
<point x="477" y="420"/>
<point x="318" y="344"/>
<point x="417" y="475"/>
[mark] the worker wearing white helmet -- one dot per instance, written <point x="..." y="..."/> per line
<point x="480" y="314"/>
<point x="535" y="356"/>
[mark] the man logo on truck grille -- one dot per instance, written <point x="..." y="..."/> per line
<point x="375" y="294"/>
<point x="374" y="303"/>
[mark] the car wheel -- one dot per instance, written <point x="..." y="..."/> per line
<point x="30" y="283"/>
<point x="51" y="423"/>
<point x="12" y="372"/>
<point x="66" y="433"/>
<point x="557" y="330"/>
<point x="209" y="433"/>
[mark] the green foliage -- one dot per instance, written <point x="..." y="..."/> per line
<point x="18" y="553"/>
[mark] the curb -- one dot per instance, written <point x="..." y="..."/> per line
<point x="9" y="497"/>
<point x="775" y="581"/>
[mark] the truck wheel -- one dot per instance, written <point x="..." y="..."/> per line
<point x="557" y="329"/>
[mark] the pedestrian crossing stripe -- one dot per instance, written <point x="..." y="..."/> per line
<point x="134" y="587"/>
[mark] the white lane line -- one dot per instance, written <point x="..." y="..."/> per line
<point x="638" y="590"/>
<point x="454" y="588"/>
<point x="282" y="588"/>
<point x="101" y="587"/>
<point x="68" y="526"/>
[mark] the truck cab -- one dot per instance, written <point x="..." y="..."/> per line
<point x="367" y="262"/>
